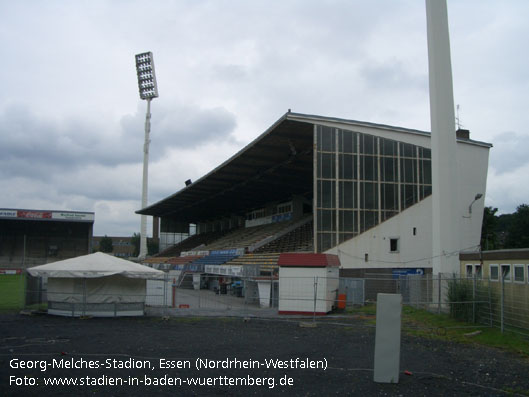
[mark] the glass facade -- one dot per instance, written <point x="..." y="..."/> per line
<point x="362" y="180"/>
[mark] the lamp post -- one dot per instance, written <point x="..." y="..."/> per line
<point x="478" y="196"/>
<point x="148" y="90"/>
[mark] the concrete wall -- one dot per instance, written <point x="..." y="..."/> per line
<point x="415" y="250"/>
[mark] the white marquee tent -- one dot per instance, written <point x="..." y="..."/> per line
<point x="97" y="285"/>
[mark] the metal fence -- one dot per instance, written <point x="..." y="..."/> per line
<point x="499" y="303"/>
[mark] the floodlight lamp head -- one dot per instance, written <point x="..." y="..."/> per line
<point x="146" y="76"/>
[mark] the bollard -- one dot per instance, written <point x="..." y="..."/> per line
<point x="387" y="338"/>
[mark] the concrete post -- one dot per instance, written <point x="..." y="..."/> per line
<point x="387" y="338"/>
<point x="445" y="216"/>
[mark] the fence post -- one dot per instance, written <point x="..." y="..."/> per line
<point x="490" y="304"/>
<point x="165" y="293"/>
<point x="173" y="288"/>
<point x="84" y="297"/>
<point x="244" y="284"/>
<point x="24" y="253"/>
<point x="315" y="295"/>
<point x="199" y="290"/>
<point x="272" y="286"/>
<point x="418" y="293"/>
<point x="474" y="281"/>
<point x="501" y="301"/>
<point x="40" y="297"/>
<point x="427" y="303"/>
<point x="24" y="277"/>
<point x="439" y="293"/>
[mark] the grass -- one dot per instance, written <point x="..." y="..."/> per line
<point x="11" y="292"/>
<point x="425" y="324"/>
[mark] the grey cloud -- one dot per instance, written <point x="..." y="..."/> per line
<point x="230" y="72"/>
<point x="509" y="152"/>
<point x="392" y="75"/>
<point x="183" y="126"/>
<point x="188" y="127"/>
<point x="39" y="147"/>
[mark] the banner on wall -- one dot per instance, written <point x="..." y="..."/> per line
<point x="45" y="215"/>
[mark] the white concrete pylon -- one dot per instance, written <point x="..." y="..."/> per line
<point x="445" y="239"/>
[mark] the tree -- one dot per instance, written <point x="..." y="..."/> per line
<point x="489" y="235"/>
<point x="105" y="245"/>
<point x="518" y="232"/>
<point x="152" y="245"/>
<point x="502" y="230"/>
<point x="135" y="241"/>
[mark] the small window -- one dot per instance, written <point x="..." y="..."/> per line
<point x="506" y="272"/>
<point x="478" y="272"/>
<point x="469" y="271"/>
<point x="414" y="231"/>
<point x="518" y="274"/>
<point x="494" y="275"/>
<point x="394" y="245"/>
<point x="366" y="257"/>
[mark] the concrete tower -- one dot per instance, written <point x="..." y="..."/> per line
<point x="445" y="216"/>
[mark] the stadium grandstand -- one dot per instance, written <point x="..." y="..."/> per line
<point x="36" y="237"/>
<point x="313" y="184"/>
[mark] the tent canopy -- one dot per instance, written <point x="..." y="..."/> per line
<point x="94" y="266"/>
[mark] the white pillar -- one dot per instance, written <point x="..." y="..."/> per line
<point x="445" y="239"/>
<point x="145" y="183"/>
<point x="387" y="338"/>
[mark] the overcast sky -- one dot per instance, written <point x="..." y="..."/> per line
<point x="72" y="123"/>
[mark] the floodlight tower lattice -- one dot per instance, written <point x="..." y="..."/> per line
<point x="148" y="90"/>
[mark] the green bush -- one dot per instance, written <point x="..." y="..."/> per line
<point x="468" y="300"/>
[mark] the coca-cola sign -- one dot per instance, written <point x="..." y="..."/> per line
<point x="34" y="214"/>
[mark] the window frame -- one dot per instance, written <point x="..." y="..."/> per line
<point x="508" y="277"/>
<point x="397" y="245"/>
<point x="497" y="267"/>
<point x="518" y="266"/>
<point x="479" y="275"/>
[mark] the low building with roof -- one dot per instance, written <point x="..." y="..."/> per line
<point x="31" y="237"/>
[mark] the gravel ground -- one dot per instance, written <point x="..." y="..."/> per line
<point x="50" y="348"/>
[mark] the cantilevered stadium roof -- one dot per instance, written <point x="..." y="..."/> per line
<point x="274" y="167"/>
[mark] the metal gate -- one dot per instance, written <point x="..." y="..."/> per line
<point x="354" y="289"/>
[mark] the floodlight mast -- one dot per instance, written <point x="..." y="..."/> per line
<point x="148" y="90"/>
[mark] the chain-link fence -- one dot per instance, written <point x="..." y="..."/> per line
<point x="499" y="303"/>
